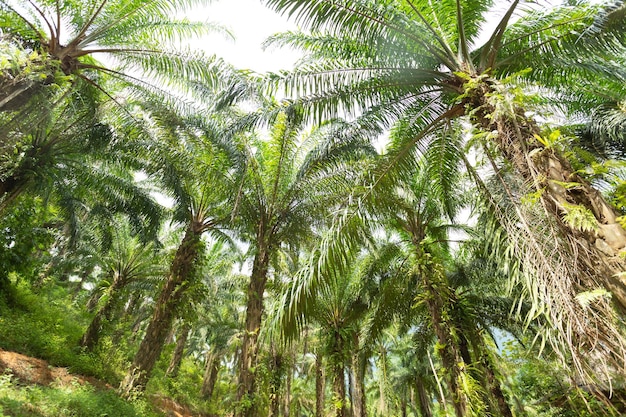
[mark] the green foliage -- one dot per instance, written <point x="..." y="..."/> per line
<point x="579" y="217"/>
<point x="184" y="388"/>
<point x="49" y="327"/>
<point x="66" y="401"/>
<point x="23" y="244"/>
<point x="542" y="387"/>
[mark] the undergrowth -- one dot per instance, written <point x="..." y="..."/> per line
<point x="65" y="401"/>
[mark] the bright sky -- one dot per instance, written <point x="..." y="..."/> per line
<point x="251" y="23"/>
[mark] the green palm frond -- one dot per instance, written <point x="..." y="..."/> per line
<point x="135" y="35"/>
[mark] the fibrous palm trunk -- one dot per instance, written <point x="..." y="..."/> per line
<point x="382" y="402"/>
<point x="163" y="315"/>
<point x="211" y="370"/>
<point x="423" y="399"/>
<point x="591" y="241"/>
<point x="177" y="356"/>
<point x="319" y="385"/>
<point x="249" y="349"/>
<point x="485" y="367"/>
<point x="357" y="375"/>
<point x="339" y="388"/>
<point x="275" y="389"/>
<point x="288" y="381"/>
<point x="562" y="190"/>
<point x="437" y="295"/>
<point x="15" y="93"/>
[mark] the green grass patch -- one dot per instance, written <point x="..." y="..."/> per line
<point x="67" y="401"/>
<point x="49" y="328"/>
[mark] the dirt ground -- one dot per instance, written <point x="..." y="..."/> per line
<point x="29" y="370"/>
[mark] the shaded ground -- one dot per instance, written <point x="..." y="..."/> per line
<point x="27" y="370"/>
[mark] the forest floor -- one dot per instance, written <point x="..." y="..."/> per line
<point x="32" y="371"/>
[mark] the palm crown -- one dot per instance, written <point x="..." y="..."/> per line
<point x="69" y="35"/>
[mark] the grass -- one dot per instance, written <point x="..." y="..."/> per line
<point x="48" y="327"/>
<point x="66" y="401"/>
<point x="44" y="327"/>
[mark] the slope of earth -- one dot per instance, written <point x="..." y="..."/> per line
<point x="30" y="387"/>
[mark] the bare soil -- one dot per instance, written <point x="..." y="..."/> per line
<point x="33" y="371"/>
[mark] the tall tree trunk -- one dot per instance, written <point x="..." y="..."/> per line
<point x="495" y="387"/>
<point x="436" y="290"/>
<point x="319" y="385"/>
<point x="177" y="356"/>
<point x="382" y="368"/>
<point x="337" y="364"/>
<point x="561" y="190"/>
<point x="83" y="277"/>
<point x="211" y="370"/>
<point x="339" y="388"/>
<point x="358" y="381"/>
<point x="163" y="315"/>
<point x="16" y="92"/>
<point x="423" y="399"/>
<point x="10" y="188"/>
<point x="276" y="379"/>
<point x="590" y="242"/>
<point x="350" y="393"/>
<point x="287" y="397"/>
<point x="489" y="371"/>
<point x="249" y="348"/>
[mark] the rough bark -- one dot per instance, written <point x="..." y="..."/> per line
<point x="489" y="371"/>
<point x="357" y="376"/>
<point x="92" y="334"/>
<point x="288" y="380"/>
<point x="436" y="290"/>
<point x="10" y="189"/>
<point x="163" y="315"/>
<point x="177" y="356"/>
<point x="15" y="95"/>
<point x="276" y="369"/>
<point x="597" y="257"/>
<point x="589" y="252"/>
<point x="495" y="388"/>
<point x="339" y="388"/>
<point x="249" y="349"/>
<point x="382" y="403"/>
<point x="423" y="399"/>
<point x="319" y="386"/>
<point x="211" y="370"/>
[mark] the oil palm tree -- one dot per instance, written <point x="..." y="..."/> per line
<point x="201" y="198"/>
<point x="64" y="40"/>
<point x="129" y="260"/>
<point x="418" y="65"/>
<point x="292" y="179"/>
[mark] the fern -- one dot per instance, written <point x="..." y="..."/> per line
<point x="580" y="218"/>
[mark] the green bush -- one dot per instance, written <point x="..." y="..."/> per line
<point x="46" y="328"/>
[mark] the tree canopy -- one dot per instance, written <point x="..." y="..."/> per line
<point x="169" y="227"/>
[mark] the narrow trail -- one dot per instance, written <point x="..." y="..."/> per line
<point x="33" y="371"/>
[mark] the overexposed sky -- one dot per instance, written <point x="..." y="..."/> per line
<point x="251" y="23"/>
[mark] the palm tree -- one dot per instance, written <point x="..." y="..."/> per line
<point x="419" y="65"/>
<point x="200" y="206"/>
<point x="129" y="260"/>
<point x="63" y="41"/>
<point x="219" y="323"/>
<point x="291" y="182"/>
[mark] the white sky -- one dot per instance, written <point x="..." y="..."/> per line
<point x="251" y="23"/>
